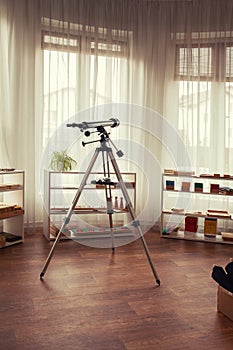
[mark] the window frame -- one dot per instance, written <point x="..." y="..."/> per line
<point x="90" y="39"/>
<point x="190" y="77"/>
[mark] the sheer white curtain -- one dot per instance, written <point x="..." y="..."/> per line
<point x="21" y="96"/>
<point x="94" y="54"/>
<point x="61" y="58"/>
<point x="200" y="90"/>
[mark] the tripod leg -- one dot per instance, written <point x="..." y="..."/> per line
<point x="69" y="213"/>
<point x="131" y="211"/>
<point x="110" y="213"/>
<point x="53" y="247"/>
<point x="108" y="195"/>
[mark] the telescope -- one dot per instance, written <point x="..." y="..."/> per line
<point x="112" y="122"/>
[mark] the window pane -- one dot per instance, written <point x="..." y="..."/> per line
<point x="194" y="62"/>
<point x="104" y="81"/>
<point x="194" y="112"/>
<point x="59" y="41"/>
<point x="229" y="62"/>
<point x="229" y="115"/>
<point x="59" y="89"/>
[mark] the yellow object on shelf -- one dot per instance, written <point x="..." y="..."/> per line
<point x="210" y="226"/>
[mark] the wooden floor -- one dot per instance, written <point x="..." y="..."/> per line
<point x="91" y="300"/>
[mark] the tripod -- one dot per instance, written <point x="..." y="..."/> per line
<point x="107" y="154"/>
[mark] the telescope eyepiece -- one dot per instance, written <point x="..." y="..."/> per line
<point x="116" y="122"/>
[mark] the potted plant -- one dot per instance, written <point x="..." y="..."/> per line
<point x="61" y="161"/>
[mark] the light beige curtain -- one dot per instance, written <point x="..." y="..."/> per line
<point x="200" y="90"/>
<point x="94" y="56"/>
<point x="21" y="97"/>
<point x="86" y="60"/>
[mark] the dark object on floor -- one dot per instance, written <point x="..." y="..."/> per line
<point x="224" y="277"/>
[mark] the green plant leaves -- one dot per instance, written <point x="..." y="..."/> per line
<point x="61" y="161"/>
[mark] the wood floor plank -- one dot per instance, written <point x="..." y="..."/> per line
<point x="92" y="299"/>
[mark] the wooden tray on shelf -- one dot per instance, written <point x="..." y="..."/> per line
<point x="218" y="213"/>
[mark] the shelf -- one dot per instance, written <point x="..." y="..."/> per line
<point x="179" y="204"/>
<point x="99" y="233"/>
<point x="196" y="214"/>
<point x="7" y="239"/>
<point x="5" y="172"/>
<point x="95" y="202"/>
<point x="8" y="244"/>
<point x="92" y="187"/>
<point x="199" y="193"/>
<point x="196" y="236"/>
<point x="10" y="187"/>
<point x="95" y="233"/>
<point x="11" y="214"/>
<point x="85" y="211"/>
<point x="11" y="207"/>
<point x="200" y="177"/>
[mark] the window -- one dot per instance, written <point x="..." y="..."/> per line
<point x="55" y="41"/>
<point x="204" y="71"/>
<point x="72" y="37"/>
<point x="194" y="70"/>
<point x="229" y="63"/>
<point x="194" y="63"/>
<point x="81" y="63"/>
<point x="229" y="98"/>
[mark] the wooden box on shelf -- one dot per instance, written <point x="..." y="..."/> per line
<point x="198" y="187"/>
<point x="191" y="223"/>
<point x="170" y="185"/>
<point x="210" y="226"/>
<point x="185" y="186"/>
<point x="214" y="188"/>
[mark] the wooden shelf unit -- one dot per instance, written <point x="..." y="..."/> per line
<point x="60" y="189"/>
<point x="12" y="211"/>
<point x="192" y="203"/>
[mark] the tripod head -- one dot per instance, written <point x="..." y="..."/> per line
<point x="100" y="129"/>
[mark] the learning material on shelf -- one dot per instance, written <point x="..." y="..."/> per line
<point x="170" y="185"/>
<point x="178" y="172"/>
<point x="185" y="186"/>
<point x="198" y="187"/>
<point x="7" y="187"/>
<point x="214" y="188"/>
<point x="227" y="236"/>
<point x="177" y="210"/>
<point x="210" y="226"/>
<point x="191" y="223"/>
<point x="4" y="170"/>
<point x="218" y="213"/>
<point x="7" y="210"/>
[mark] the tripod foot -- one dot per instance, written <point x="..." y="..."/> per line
<point x="158" y="282"/>
<point x="41" y="275"/>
